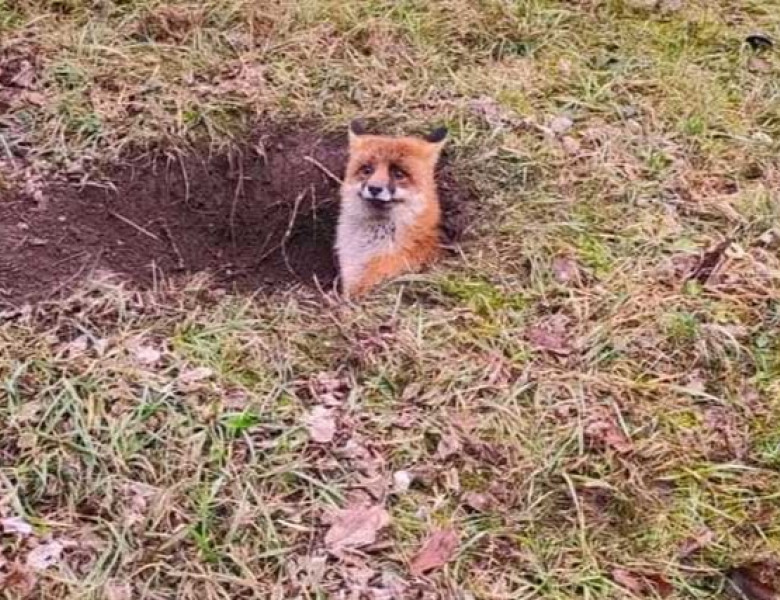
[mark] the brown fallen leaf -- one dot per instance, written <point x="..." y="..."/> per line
<point x="449" y="445"/>
<point x="759" y="65"/>
<point x="19" y="581"/>
<point x="495" y="115"/>
<point x="331" y="389"/>
<point x="696" y="542"/>
<point x="602" y="430"/>
<point x="628" y="580"/>
<point x="755" y="581"/>
<point x="191" y="376"/>
<point x="478" y="502"/>
<point x="117" y="590"/>
<point x="642" y="584"/>
<point x="546" y="339"/>
<point x="146" y="355"/>
<point x="565" y="269"/>
<point x="321" y="425"/>
<point x="356" y="527"/>
<point x="709" y="262"/>
<point x="25" y="76"/>
<point x="436" y="552"/>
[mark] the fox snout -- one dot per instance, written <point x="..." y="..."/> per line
<point x="377" y="191"/>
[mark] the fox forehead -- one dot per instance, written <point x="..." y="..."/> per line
<point x="389" y="149"/>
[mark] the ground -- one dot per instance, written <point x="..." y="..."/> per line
<point x="580" y="401"/>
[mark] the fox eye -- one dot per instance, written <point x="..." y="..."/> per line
<point x="397" y="172"/>
<point x="366" y="169"/>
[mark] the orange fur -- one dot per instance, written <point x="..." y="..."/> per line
<point x="376" y="240"/>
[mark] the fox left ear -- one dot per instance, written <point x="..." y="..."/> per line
<point x="437" y="136"/>
<point x="356" y="129"/>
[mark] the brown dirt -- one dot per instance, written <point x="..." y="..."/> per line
<point x="255" y="218"/>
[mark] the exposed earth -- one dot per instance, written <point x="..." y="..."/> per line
<point x="259" y="215"/>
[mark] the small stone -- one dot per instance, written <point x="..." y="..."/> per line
<point x="560" y="125"/>
<point x="402" y="480"/>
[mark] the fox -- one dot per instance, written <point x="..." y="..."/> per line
<point x="390" y="215"/>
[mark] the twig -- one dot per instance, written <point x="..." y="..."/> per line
<point x="287" y="233"/>
<point x="322" y="168"/>
<point x="65" y="283"/>
<point x="238" y="192"/>
<point x="186" y="180"/>
<point x="8" y="152"/>
<point x="134" y="225"/>
<point x="179" y="257"/>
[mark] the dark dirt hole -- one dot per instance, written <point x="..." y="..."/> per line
<point x="256" y="217"/>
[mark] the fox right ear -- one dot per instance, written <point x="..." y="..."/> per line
<point x="437" y="136"/>
<point x="356" y="129"/>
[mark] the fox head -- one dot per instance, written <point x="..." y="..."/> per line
<point x="384" y="172"/>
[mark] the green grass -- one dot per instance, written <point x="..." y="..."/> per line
<point x="212" y="488"/>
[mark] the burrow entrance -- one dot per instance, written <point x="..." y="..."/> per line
<point x="256" y="217"/>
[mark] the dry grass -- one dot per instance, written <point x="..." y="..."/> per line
<point x="619" y="422"/>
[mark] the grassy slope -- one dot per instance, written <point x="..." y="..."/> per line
<point x="659" y="422"/>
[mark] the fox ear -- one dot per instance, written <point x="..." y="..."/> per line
<point x="356" y="129"/>
<point x="436" y="138"/>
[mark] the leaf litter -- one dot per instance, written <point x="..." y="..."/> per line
<point x="321" y="424"/>
<point x="439" y="549"/>
<point x="356" y="527"/>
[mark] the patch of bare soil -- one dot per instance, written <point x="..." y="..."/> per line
<point x="257" y="217"/>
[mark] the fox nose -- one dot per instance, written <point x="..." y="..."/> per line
<point x="375" y="190"/>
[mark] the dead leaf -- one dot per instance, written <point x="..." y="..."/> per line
<point x="16" y="525"/>
<point x="628" y="580"/>
<point x="137" y="497"/>
<point x="356" y="527"/>
<point x="449" y="445"/>
<point x="602" y="430"/>
<point x="322" y="425"/>
<point x="570" y="145"/>
<point x="755" y="581"/>
<point x="235" y="399"/>
<point x="117" y="590"/>
<point x="34" y="98"/>
<point x="146" y="355"/>
<point x="44" y="556"/>
<point x="196" y="375"/>
<point x="375" y="485"/>
<point x="546" y="339"/>
<point x="495" y="115"/>
<point x="25" y="76"/>
<point x="436" y="552"/>
<point x="670" y="6"/>
<point x="693" y="544"/>
<point x="565" y="269"/>
<point x="330" y="389"/>
<point x="19" y="580"/>
<point x="76" y="347"/>
<point x="759" y="65"/>
<point x="642" y="584"/>
<point x="478" y="502"/>
<point x="709" y="262"/>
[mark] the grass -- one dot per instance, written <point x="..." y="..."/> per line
<point x="657" y="423"/>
